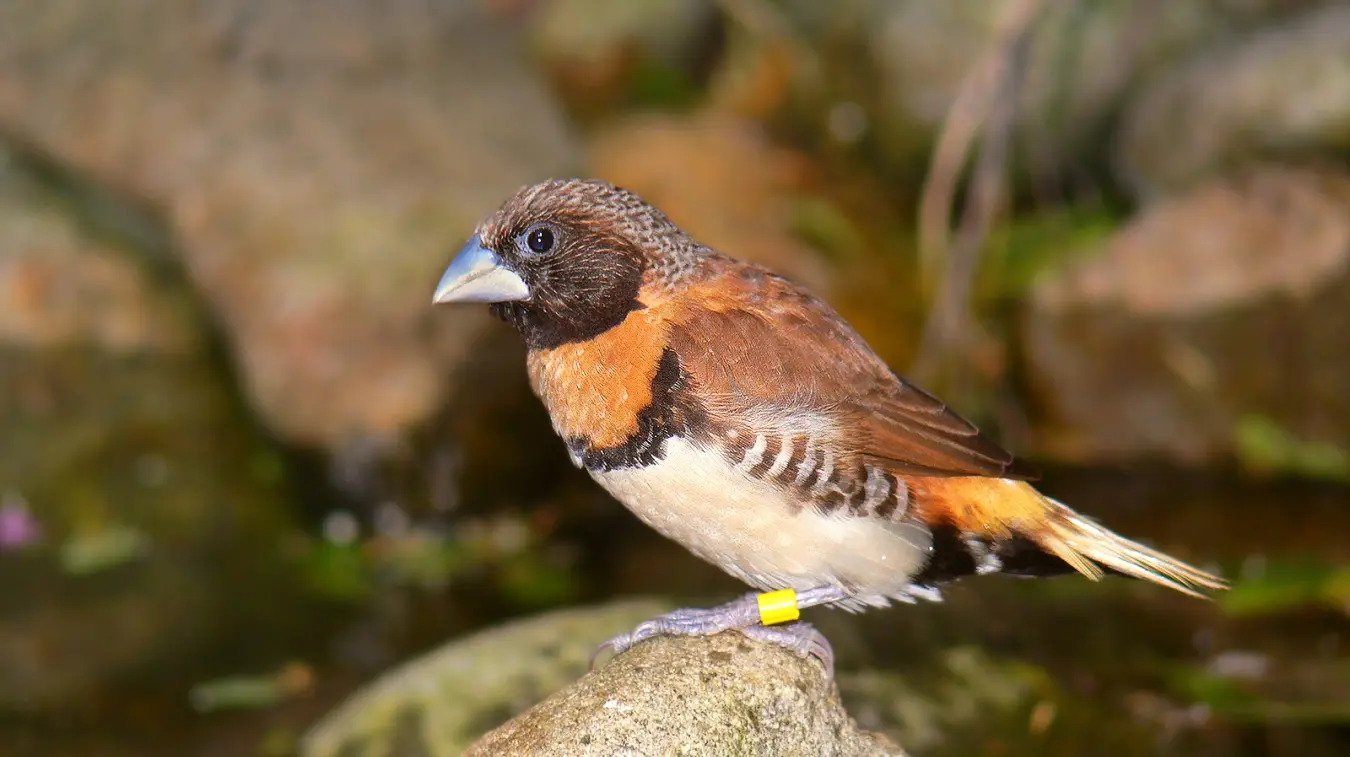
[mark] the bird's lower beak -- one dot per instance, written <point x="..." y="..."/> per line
<point x="477" y="275"/>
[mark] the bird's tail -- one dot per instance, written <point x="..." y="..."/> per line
<point x="984" y="525"/>
<point x="1089" y="548"/>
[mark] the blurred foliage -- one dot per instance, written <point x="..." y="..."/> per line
<point x="1263" y="445"/>
<point x="1264" y="699"/>
<point x="1026" y="246"/>
<point x="500" y="552"/>
<point x="968" y="692"/>
<point x="1288" y="585"/>
<point x="106" y="548"/>
<point x="252" y="692"/>
<point x="822" y="224"/>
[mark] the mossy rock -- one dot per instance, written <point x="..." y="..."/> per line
<point x="437" y="704"/>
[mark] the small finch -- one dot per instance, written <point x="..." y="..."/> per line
<point x="741" y="416"/>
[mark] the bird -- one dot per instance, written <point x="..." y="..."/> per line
<point x="739" y="415"/>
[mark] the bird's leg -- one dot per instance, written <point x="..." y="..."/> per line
<point x="752" y="615"/>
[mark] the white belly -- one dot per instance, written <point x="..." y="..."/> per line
<point x="756" y="532"/>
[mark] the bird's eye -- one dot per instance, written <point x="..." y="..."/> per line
<point x="540" y="240"/>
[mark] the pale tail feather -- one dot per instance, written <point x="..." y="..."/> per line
<point x="1087" y="546"/>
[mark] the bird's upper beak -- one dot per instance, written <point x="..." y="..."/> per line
<point x="477" y="275"/>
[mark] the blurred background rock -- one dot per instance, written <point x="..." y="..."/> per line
<point x="247" y="467"/>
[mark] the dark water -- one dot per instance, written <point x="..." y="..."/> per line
<point x="1003" y="666"/>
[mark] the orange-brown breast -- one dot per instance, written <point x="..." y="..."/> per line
<point x="596" y="388"/>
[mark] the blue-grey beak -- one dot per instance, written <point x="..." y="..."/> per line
<point x="477" y="275"/>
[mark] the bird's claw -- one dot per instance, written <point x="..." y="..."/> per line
<point x="739" y="615"/>
<point x="802" y="638"/>
<point x="623" y="642"/>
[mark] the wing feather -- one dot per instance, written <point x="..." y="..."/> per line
<point x="759" y="347"/>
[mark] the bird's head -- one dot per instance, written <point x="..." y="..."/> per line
<point x="564" y="260"/>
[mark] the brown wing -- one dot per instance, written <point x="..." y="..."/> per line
<point x="758" y="346"/>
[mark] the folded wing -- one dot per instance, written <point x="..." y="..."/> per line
<point x="759" y="347"/>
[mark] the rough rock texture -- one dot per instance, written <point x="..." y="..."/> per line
<point x="318" y="162"/>
<point x="437" y="704"/>
<point x="723" y="695"/>
<point x="132" y="496"/>
<point x="1282" y="89"/>
<point x="1228" y="302"/>
<point x="669" y="696"/>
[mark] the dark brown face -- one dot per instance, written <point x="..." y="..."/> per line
<point x="563" y="261"/>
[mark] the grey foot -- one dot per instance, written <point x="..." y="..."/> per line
<point x="800" y="637"/>
<point x="689" y="621"/>
<point x="741" y="614"/>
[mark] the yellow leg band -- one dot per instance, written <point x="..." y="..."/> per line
<point x="778" y="607"/>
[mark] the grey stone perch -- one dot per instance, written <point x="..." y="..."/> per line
<point x="668" y="696"/>
<point x="724" y="695"/>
